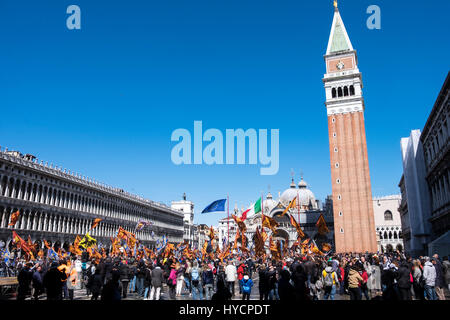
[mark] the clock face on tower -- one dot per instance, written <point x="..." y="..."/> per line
<point x="340" y="65"/>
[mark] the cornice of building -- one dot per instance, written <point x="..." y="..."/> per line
<point x="86" y="182"/>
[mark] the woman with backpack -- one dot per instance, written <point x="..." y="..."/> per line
<point x="246" y="285"/>
<point x="330" y="282"/>
<point x="418" y="283"/>
<point x="195" y="282"/>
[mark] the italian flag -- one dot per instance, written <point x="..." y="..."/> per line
<point x="255" y="208"/>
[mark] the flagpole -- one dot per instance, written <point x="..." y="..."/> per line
<point x="262" y="202"/>
<point x="298" y="209"/>
<point x="228" y="219"/>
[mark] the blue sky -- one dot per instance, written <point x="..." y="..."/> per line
<point x="104" y="100"/>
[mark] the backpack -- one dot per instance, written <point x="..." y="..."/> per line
<point x="195" y="276"/>
<point x="246" y="287"/>
<point x="328" y="281"/>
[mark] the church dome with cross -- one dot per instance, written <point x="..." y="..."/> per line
<point x="305" y="197"/>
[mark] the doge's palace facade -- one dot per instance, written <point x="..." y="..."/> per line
<point x="56" y="205"/>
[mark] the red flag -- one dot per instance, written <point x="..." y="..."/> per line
<point x="14" y="218"/>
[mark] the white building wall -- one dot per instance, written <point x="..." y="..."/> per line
<point x="417" y="195"/>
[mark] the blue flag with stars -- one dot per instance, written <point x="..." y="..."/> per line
<point x="218" y="205"/>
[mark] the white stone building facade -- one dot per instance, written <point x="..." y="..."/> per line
<point x="388" y="223"/>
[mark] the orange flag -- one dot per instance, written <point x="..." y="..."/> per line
<point x="22" y="244"/>
<point x="240" y="223"/>
<point x="322" y="225"/>
<point x="290" y="206"/>
<point x="273" y="248"/>
<point x="47" y="245"/>
<point x="211" y="233"/>
<point x="326" y="247"/>
<point x="269" y="222"/>
<point x="297" y="227"/>
<point x="14" y="218"/>
<point x="236" y="240"/>
<point x="96" y="222"/>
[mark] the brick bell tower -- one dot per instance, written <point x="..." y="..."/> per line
<point x="354" y="227"/>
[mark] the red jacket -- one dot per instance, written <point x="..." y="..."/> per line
<point x="240" y="272"/>
<point x="364" y="276"/>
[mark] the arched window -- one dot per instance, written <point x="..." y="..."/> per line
<point x="381" y="236"/>
<point x="395" y="234"/>
<point x="385" y="235"/>
<point x="390" y="234"/>
<point x="345" y="91"/>
<point x="387" y="215"/>
<point x="333" y="92"/>
<point x="339" y="92"/>
<point x="352" y="90"/>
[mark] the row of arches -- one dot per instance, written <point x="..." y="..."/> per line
<point x="79" y="199"/>
<point x="390" y="235"/>
<point x="40" y="221"/>
<point x="343" y="91"/>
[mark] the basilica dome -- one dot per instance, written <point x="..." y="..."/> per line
<point x="268" y="204"/>
<point x="305" y="196"/>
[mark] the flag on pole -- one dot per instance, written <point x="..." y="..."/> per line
<point x="269" y="222"/>
<point x="322" y="225"/>
<point x="87" y="241"/>
<point x="240" y="223"/>
<point x="95" y="222"/>
<point x="14" y="218"/>
<point x="297" y="227"/>
<point x="291" y="205"/>
<point x="253" y="209"/>
<point x="142" y="224"/>
<point x="216" y="206"/>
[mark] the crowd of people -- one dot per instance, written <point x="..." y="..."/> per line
<point x="387" y="276"/>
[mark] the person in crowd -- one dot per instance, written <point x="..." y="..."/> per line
<point x="147" y="280"/>
<point x="53" y="282"/>
<point x="132" y="275"/>
<point x="95" y="284"/>
<point x="38" y="282"/>
<point x="157" y="281"/>
<point x="222" y="293"/>
<point x="196" y="278"/>
<point x="286" y="290"/>
<point x="330" y="281"/>
<point x="440" y="281"/>
<point x="172" y="281"/>
<point x="299" y="278"/>
<point x="418" y="280"/>
<point x="231" y="275"/>
<point x="263" y="284"/>
<point x="208" y="281"/>
<point x="363" y="284"/>
<point x="429" y="275"/>
<point x="73" y="282"/>
<point x="246" y="285"/>
<point x="140" y="275"/>
<point x="242" y="268"/>
<point x="354" y="281"/>
<point x="112" y="291"/>
<point x="446" y="269"/>
<point x="124" y="271"/>
<point x="25" y="278"/>
<point x="404" y="278"/>
<point x="179" y="279"/>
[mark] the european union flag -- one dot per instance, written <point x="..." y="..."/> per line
<point x="218" y="205"/>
